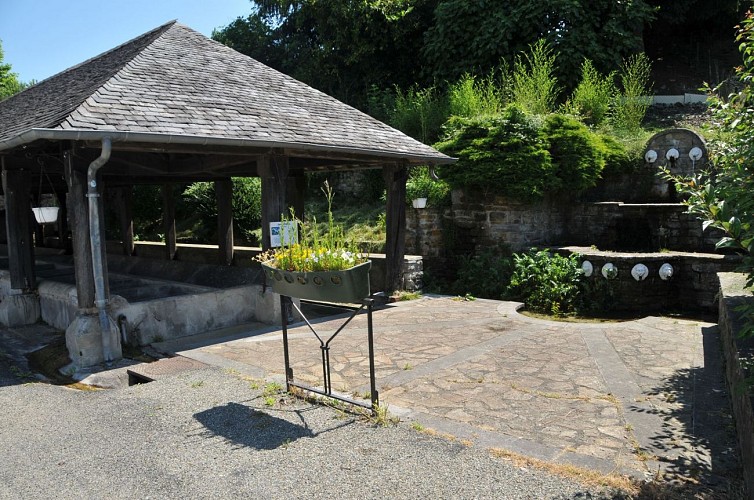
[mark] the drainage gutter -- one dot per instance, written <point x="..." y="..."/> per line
<point x="95" y="238"/>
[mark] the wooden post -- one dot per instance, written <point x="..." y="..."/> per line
<point x="395" y="224"/>
<point x="62" y="223"/>
<point x="123" y="199"/>
<point x="37" y="229"/>
<point x="295" y="189"/>
<point x="79" y="216"/>
<point x="224" y="197"/>
<point x="168" y="219"/>
<point x="17" y="188"/>
<point x="273" y="171"/>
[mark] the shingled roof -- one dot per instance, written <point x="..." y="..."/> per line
<point x="174" y="85"/>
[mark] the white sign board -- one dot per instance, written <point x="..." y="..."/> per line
<point x="283" y="233"/>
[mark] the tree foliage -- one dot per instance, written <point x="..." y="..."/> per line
<point x="475" y="36"/>
<point x="340" y="47"/>
<point x="9" y="82"/>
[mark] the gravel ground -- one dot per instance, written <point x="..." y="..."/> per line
<point x="209" y="434"/>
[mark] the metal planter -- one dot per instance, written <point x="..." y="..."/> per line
<point x="347" y="286"/>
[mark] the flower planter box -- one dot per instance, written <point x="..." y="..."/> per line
<point x="347" y="286"/>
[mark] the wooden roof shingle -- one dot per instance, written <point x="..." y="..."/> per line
<point x="175" y="82"/>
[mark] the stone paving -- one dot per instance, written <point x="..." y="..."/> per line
<point x="631" y="397"/>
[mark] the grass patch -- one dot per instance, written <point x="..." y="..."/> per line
<point x="586" y="477"/>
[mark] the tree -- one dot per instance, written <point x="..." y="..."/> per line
<point x="9" y="82"/>
<point x="475" y="36"/>
<point x="340" y="47"/>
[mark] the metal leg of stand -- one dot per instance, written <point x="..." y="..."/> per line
<point x="372" y="381"/>
<point x="285" y="303"/>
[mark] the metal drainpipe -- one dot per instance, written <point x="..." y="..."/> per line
<point x="100" y="299"/>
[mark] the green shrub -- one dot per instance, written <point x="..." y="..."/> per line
<point x="504" y="154"/>
<point x="485" y="275"/>
<point x="421" y="185"/>
<point x="591" y="99"/>
<point x="618" y="158"/>
<point x="534" y="86"/>
<point x="577" y="153"/>
<point x="547" y="283"/>
<point x="632" y="102"/>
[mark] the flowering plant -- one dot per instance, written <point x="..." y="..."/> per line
<point x="330" y="251"/>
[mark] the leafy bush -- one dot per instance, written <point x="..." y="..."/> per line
<point x="504" y="153"/>
<point x="723" y="198"/>
<point x="590" y="100"/>
<point x="632" y="102"/>
<point x="535" y="87"/>
<point x="486" y="274"/>
<point x="619" y="159"/>
<point x="421" y="185"/>
<point x="577" y="153"/>
<point x="547" y="283"/>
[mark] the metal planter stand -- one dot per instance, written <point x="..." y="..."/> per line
<point x="324" y="345"/>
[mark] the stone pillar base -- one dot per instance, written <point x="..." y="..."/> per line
<point x="20" y="309"/>
<point x="268" y="309"/>
<point x="83" y="338"/>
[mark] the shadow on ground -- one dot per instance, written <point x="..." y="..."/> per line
<point x="243" y="426"/>
<point x="696" y="444"/>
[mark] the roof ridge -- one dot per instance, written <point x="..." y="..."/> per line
<point x="163" y="27"/>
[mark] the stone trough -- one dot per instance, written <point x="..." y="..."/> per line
<point x="153" y="300"/>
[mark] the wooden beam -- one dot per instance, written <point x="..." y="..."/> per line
<point x="295" y="189"/>
<point x="79" y="217"/>
<point x="17" y="189"/>
<point x="123" y="202"/>
<point x="395" y="222"/>
<point x="273" y="171"/>
<point x="168" y="220"/>
<point x="224" y="197"/>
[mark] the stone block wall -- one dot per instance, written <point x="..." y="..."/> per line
<point x="485" y="221"/>
<point x="647" y="227"/>
<point x="739" y="365"/>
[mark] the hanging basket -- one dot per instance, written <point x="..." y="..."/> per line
<point x="46" y="215"/>
<point x="347" y="286"/>
<point x="419" y="202"/>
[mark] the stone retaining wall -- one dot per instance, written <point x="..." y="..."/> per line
<point x="738" y="352"/>
<point x="693" y="287"/>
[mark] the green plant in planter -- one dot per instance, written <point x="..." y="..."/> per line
<point x="325" y="266"/>
<point x="421" y="185"/>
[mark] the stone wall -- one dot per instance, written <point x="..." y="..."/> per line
<point x="647" y="227"/>
<point x="486" y="221"/>
<point x="739" y="365"/>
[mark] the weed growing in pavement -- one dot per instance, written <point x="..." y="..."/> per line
<point x="197" y="383"/>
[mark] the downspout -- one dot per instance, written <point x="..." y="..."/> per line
<point x="95" y="238"/>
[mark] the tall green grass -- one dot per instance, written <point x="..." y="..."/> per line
<point x="471" y="96"/>
<point x="592" y="97"/>
<point x="534" y="85"/>
<point x="631" y="103"/>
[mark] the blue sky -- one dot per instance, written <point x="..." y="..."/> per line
<point x="43" y="37"/>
